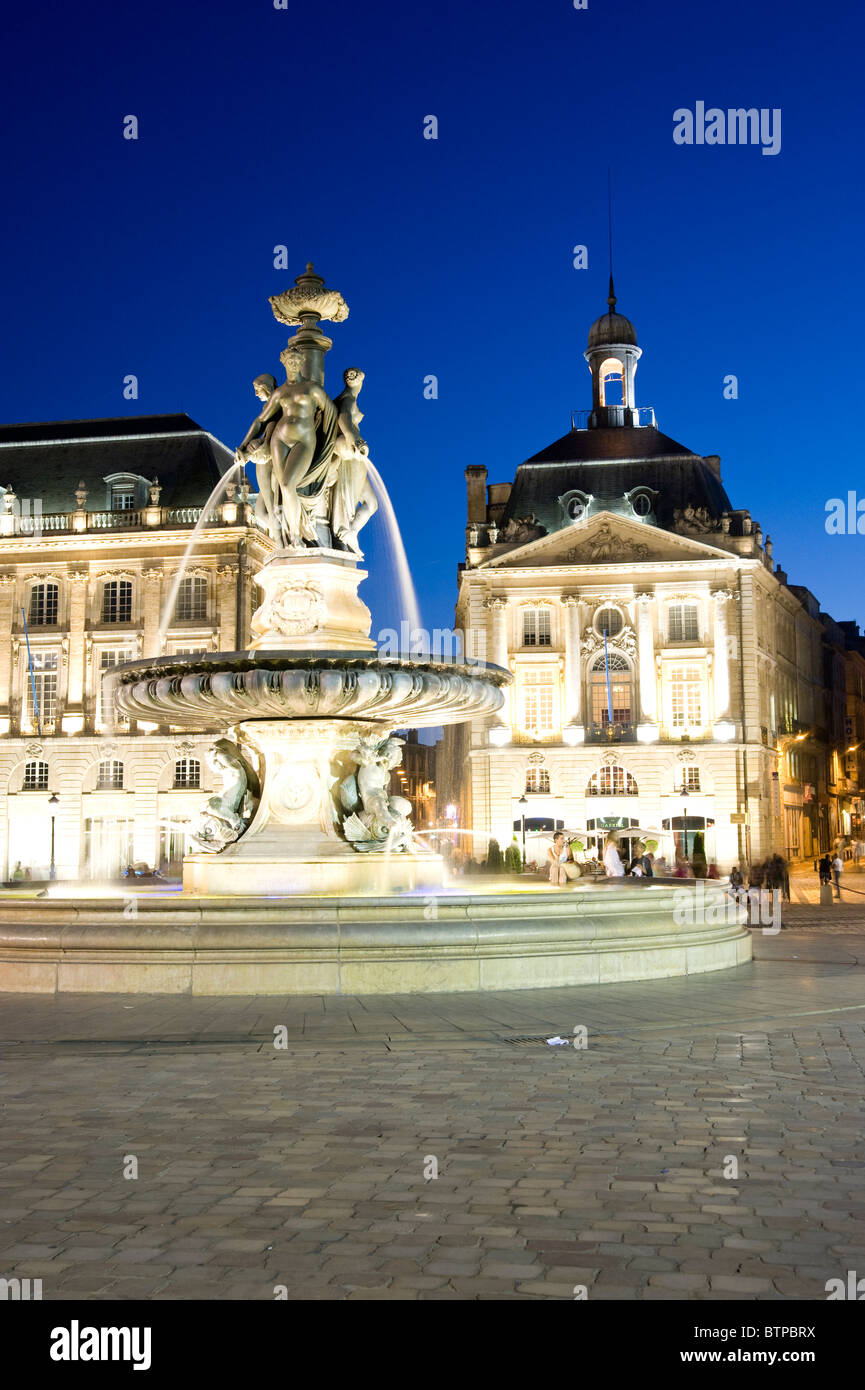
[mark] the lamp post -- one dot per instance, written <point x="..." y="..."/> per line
<point x="684" y="794"/>
<point x="53" y="800"/>
<point x="523" y="802"/>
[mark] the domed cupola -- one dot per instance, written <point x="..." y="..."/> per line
<point x="612" y="355"/>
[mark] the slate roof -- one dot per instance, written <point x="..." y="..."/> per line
<point x="610" y="462"/>
<point x="46" y="460"/>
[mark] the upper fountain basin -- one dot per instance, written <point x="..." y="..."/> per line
<point x="219" y="689"/>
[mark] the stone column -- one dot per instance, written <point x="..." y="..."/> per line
<point x="573" y="675"/>
<point x="76" y="627"/>
<point x="646" y="659"/>
<point x="721" y="598"/>
<point x="150" y="610"/>
<point x="225" y="617"/>
<point x="499" y="653"/>
<point x="17" y="687"/>
<point x="7" y="601"/>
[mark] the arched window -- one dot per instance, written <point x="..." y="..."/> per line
<point x="683" y="625"/>
<point x="110" y="776"/>
<point x="43" y="605"/>
<point x="117" y="601"/>
<point x="537" y="780"/>
<point x="187" y="772"/>
<point x="612" y="380"/>
<point x="192" y="599"/>
<point x="612" y="781"/>
<point x="619" y="694"/>
<point x="35" y="777"/>
<point x="609" y="621"/>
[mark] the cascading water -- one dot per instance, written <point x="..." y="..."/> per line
<point x="409" y="608"/>
<point x="167" y="616"/>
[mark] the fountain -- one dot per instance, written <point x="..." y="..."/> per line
<point x="307" y="713"/>
<point x="307" y="877"/>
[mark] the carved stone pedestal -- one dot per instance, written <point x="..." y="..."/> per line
<point x="311" y="603"/>
<point x="294" y="844"/>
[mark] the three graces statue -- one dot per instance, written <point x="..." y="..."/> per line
<point x="311" y="464"/>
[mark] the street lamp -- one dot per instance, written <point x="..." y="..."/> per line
<point x="53" y="800"/>
<point x="524" y="801"/>
<point x="684" y="795"/>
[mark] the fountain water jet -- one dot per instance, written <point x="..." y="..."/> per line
<point x="167" y="614"/>
<point x="407" y="595"/>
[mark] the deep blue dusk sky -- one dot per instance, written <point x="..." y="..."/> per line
<point x="303" y="127"/>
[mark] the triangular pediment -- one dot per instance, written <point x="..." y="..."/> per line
<point x="606" y="539"/>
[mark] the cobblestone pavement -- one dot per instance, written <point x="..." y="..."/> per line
<point x="304" y="1166"/>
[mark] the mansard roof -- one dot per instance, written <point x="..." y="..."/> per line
<point x="610" y="462"/>
<point x="602" y="445"/>
<point x="46" y="460"/>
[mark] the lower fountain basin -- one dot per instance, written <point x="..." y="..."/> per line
<point x="221" y="689"/>
<point x="540" y="938"/>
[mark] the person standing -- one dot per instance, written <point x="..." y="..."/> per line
<point x="837" y="871"/>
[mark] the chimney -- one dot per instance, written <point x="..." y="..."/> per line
<point x="476" y="487"/>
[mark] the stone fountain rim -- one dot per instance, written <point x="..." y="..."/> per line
<point x="165" y="667"/>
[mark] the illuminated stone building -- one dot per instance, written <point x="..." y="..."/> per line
<point x="706" y="714"/>
<point x="95" y="517"/>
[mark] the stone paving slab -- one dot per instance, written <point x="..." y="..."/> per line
<point x="308" y="1168"/>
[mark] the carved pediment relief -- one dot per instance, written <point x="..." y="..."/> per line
<point x="604" y="539"/>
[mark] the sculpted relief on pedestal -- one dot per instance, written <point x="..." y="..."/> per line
<point x="375" y="820"/>
<point x="225" y="817"/>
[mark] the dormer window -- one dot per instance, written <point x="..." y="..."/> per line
<point x="125" y="492"/>
<point x="122" y="498"/>
<point x="575" y="506"/>
<point x="642" y="501"/>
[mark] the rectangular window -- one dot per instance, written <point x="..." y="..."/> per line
<point x="114" y="656"/>
<point x="110" y="776"/>
<point x="117" y="601"/>
<point x="192" y="600"/>
<point x="122" y="499"/>
<point x="692" y="779"/>
<point x="539" y="701"/>
<point x="110" y="657"/>
<point x="686" y="688"/>
<point x="46" y="669"/>
<point x="43" y="605"/>
<point x="536" y="627"/>
<point x="683" y="623"/>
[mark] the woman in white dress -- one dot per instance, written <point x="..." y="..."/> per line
<point x="613" y="866"/>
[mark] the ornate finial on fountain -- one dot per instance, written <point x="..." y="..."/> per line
<point x="308" y="302"/>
